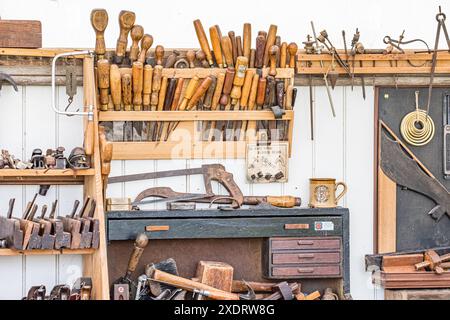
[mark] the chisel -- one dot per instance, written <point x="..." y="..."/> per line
<point x="200" y="91"/>
<point x="251" y="64"/>
<point x="156" y="86"/>
<point x="190" y="57"/>
<point x="227" y="51"/>
<point x="251" y="126"/>
<point x="203" y="41"/>
<point x="127" y="105"/>
<point x="171" y="59"/>
<point x="163" y="126"/>
<point x="175" y="104"/>
<point x="243" y="104"/>
<point x="136" y="34"/>
<point x="292" y="49"/>
<point x="232" y="37"/>
<point x="247" y="40"/>
<point x="126" y="22"/>
<point x="201" y="57"/>
<point x="273" y="52"/>
<point x="103" y="69"/>
<point x="146" y="43"/>
<point x="215" y="103"/>
<point x="239" y="50"/>
<point x="224" y="101"/>
<point x="283" y="55"/>
<point x="161" y="99"/>
<point x="147" y="86"/>
<point x="235" y="94"/>
<point x="99" y="21"/>
<point x="138" y="75"/>
<point x="215" y="42"/>
<point x="206" y="125"/>
<point x="270" y="41"/>
<point x="116" y="87"/>
<point x="259" y="54"/>
<point x="159" y="55"/>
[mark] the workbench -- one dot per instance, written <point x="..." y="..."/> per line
<point x="239" y="237"/>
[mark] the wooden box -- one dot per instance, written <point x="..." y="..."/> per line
<point x="20" y="34"/>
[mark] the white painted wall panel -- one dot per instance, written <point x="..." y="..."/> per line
<point x="343" y="147"/>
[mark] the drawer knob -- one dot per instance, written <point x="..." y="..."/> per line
<point x="306" y="256"/>
<point x="305" y="270"/>
<point x="305" y="243"/>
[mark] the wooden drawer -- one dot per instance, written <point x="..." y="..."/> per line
<point x="302" y="257"/>
<point x="307" y="271"/>
<point x="306" y="243"/>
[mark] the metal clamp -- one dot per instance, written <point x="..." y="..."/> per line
<point x="90" y="112"/>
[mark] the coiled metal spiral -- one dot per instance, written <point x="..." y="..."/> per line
<point x="417" y="127"/>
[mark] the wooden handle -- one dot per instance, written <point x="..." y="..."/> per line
<point x="253" y="91"/>
<point x="289" y="94"/>
<point x="177" y="95"/>
<point x="227" y="86"/>
<point x="126" y="91"/>
<point x="156" y="86"/>
<point x="259" y="54"/>
<point x="201" y="90"/>
<point x="116" y="87"/>
<point x="201" y="56"/>
<point x="190" y="285"/>
<point x="106" y="151"/>
<point x="138" y="77"/>
<point x="239" y="50"/>
<point x="146" y="43"/>
<point x="147" y="86"/>
<point x="239" y="78"/>
<point x="162" y="93"/>
<point x="126" y="22"/>
<point x="283" y="201"/>
<point x="209" y="93"/>
<point x="217" y="91"/>
<point x="227" y="51"/>
<point x="203" y="41"/>
<point x="170" y="94"/>
<point x="139" y="246"/>
<point x="246" y="88"/>
<point x="270" y="41"/>
<point x="273" y="52"/>
<point x="190" y="57"/>
<point x="251" y="64"/>
<point x="189" y="92"/>
<point x="292" y="49"/>
<point x="137" y="32"/>
<point x="283" y="55"/>
<point x="261" y="92"/>
<point x="247" y="40"/>
<point x="215" y="43"/>
<point x="159" y="54"/>
<point x="89" y="100"/>
<point x="103" y="68"/>
<point x="232" y="37"/>
<point x="99" y="21"/>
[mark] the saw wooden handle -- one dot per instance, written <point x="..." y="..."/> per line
<point x="190" y="285"/>
<point x="138" y="77"/>
<point x="147" y="86"/>
<point x="103" y="69"/>
<point x="116" y="87"/>
<point x="270" y="41"/>
<point x="215" y="43"/>
<point x="99" y="21"/>
<point x="146" y="43"/>
<point x="137" y="32"/>
<point x="89" y="100"/>
<point x="201" y="90"/>
<point x="227" y="51"/>
<point x="203" y="41"/>
<point x="189" y="92"/>
<point x="247" y="40"/>
<point x="139" y="246"/>
<point x="126" y="22"/>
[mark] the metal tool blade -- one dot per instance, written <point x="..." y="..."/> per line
<point x="155" y="175"/>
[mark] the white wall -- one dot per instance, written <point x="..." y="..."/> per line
<point x="343" y="147"/>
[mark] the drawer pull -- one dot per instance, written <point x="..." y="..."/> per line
<point x="306" y="256"/>
<point x="305" y="243"/>
<point x="305" y="270"/>
<point x="296" y="226"/>
<point x="157" y="228"/>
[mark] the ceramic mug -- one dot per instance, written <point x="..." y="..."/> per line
<point x="323" y="192"/>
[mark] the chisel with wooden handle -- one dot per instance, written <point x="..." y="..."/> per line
<point x="175" y="104"/>
<point x="232" y="37"/>
<point x="116" y="86"/>
<point x="251" y="126"/>
<point x="214" y="104"/>
<point x="251" y="64"/>
<point x="283" y="55"/>
<point x="203" y="41"/>
<point x="146" y="43"/>
<point x="136" y="33"/>
<point x="147" y="86"/>
<point x="215" y="43"/>
<point x="201" y="90"/>
<point x="163" y="126"/>
<point x="103" y="69"/>
<point x="161" y="99"/>
<point x="89" y="100"/>
<point x="242" y="125"/>
<point x="273" y="52"/>
<point x="270" y="41"/>
<point x="126" y="22"/>
<point x="239" y="50"/>
<point x="190" y="57"/>
<point x="227" y="51"/>
<point x="206" y="125"/>
<point x="224" y="102"/>
<point x="138" y="78"/>
<point x="247" y="40"/>
<point x="292" y="49"/>
<point x="259" y="54"/>
<point x="127" y="91"/>
<point x="159" y="55"/>
<point x="236" y="92"/>
<point x="99" y="21"/>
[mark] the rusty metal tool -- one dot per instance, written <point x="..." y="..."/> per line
<point x="35" y="239"/>
<point x="224" y="101"/>
<point x="48" y="238"/>
<point x="138" y="249"/>
<point x="86" y="234"/>
<point x="9" y="79"/>
<point x="235" y="94"/>
<point x="63" y="239"/>
<point x="10" y="231"/>
<point x="73" y="226"/>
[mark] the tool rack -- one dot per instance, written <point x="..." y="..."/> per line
<point x="35" y="64"/>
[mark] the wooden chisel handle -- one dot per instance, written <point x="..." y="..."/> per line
<point x="162" y="93"/>
<point x="253" y="91"/>
<point x="246" y="88"/>
<point x="177" y="95"/>
<point x="292" y="49"/>
<point x="201" y="90"/>
<point x="227" y="86"/>
<point x="116" y="86"/>
<point x="209" y="93"/>
<point x="270" y="41"/>
<point x="247" y="40"/>
<point x="89" y="100"/>
<point x="190" y="57"/>
<point x="189" y="92"/>
<point x="159" y="54"/>
<point x="239" y="78"/>
<point x="283" y="55"/>
<point x="273" y="52"/>
<point x="126" y="22"/>
<point x="259" y="54"/>
<point x="147" y="86"/>
<point x="215" y="43"/>
<point x="139" y="246"/>
<point x="106" y="150"/>
<point x="277" y="201"/>
<point x="99" y="21"/>
<point x="232" y="37"/>
<point x="239" y="49"/>
<point x="103" y="69"/>
<point x="203" y="41"/>
<point x="190" y="285"/>
<point x="217" y="91"/>
<point x="126" y="91"/>
<point x="146" y="43"/>
<point x="156" y="86"/>
<point x="227" y="51"/>
<point x="261" y="92"/>
<point x="137" y="32"/>
<point x="138" y="77"/>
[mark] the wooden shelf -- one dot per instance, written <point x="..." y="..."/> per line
<point x="51" y="176"/>
<point x="11" y="252"/>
